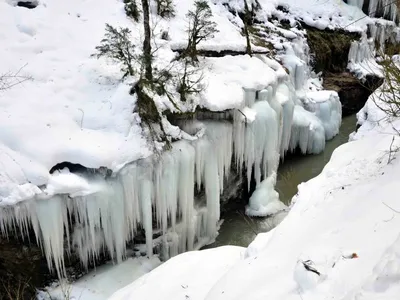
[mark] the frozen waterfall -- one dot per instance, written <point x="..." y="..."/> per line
<point x="157" y="195"/>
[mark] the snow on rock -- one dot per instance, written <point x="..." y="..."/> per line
<point x="196" y="274"/>
<point x="265" y="200"/>
<point x="229" y="75"/>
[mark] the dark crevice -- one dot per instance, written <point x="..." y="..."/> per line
<point x="352" y="92"/>
<point x="80" y="169"/>
<point x="27" y="4"/>
<point x="222" y="53"/>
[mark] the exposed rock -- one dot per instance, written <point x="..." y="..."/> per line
<point x="352" y="92"/>
<point x="329" y="48"/>
<point x="22" y="268"/>
<point x="27" y="4"/>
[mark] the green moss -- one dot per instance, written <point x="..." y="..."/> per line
<point x="330" y="48"/>
<point x="391" y="48"/>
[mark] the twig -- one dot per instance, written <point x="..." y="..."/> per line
<point x="243" y="115"/>
<point x="9" y="80"/>
<point x="391" y="208"/>
<point x="390" y="158"/>
<point x="83" y="115"/>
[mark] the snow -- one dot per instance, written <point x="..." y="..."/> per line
<point x="77" y="109"/>
<point x="191" y="280"/>
<point x="229" y="75"/>
<point x="102" y="283"/>
<point x="91" y="120"/>
<point x="80" y="111"/>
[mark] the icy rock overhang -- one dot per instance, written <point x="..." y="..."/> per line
<point x="157" y="194"/>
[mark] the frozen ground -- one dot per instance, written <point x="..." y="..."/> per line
<point x="102" y="283"/>
<point x="192" y="274"/>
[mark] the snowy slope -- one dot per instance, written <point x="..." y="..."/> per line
<point x="75" y="108"/>
<point x="197" y="272"/>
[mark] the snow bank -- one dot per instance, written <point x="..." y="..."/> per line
<point x="190" y="276"/>
<point x="103" y="282"/>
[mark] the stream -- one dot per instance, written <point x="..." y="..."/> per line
<point x="238" y="229"/>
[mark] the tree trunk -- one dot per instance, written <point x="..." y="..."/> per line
<point x="146" y="42"/>
<point x="246" y="27"/>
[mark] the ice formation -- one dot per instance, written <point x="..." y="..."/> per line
<point x="156" y="195"/>
<point x="265" y="200"/>
<point x="378" y="8"/>
<point x="361" y="58"/>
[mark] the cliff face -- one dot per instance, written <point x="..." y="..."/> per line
<point x="329" y="51"/>
<point x="353" y="92"/>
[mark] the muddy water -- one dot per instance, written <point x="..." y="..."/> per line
<point x="237" y="229"/>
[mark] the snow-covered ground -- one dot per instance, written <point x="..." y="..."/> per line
<point x="102" y="283"/>
<point x="78" y="109"/>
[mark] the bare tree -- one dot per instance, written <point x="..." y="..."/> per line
<point x="387" y="97"/>
<point x="189" y="81"/>
<point x="246" y="22"/>
<point x="147" y="55"/>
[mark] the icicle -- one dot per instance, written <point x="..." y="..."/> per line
<point x="186" y="193"/>
<point x="146" y="194"/>
<point x="307" y="132"/>
<point x="52" y="218"/>
<point x="357" y="3"/>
